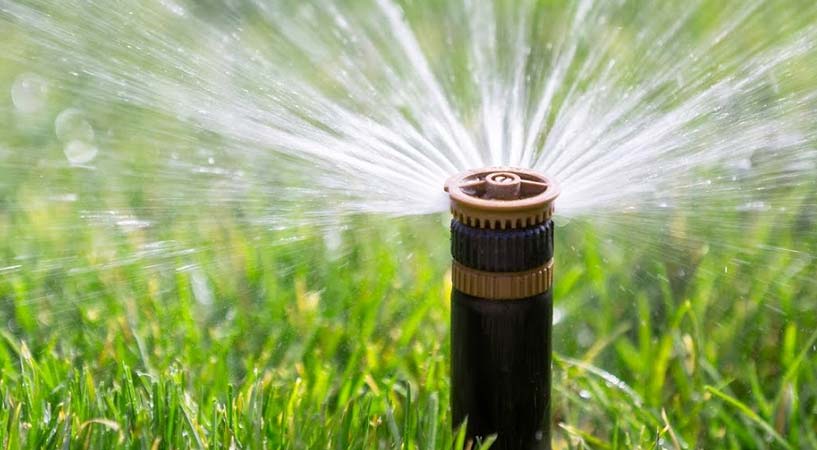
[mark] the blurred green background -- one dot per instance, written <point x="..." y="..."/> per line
<point x="134" y="317"/>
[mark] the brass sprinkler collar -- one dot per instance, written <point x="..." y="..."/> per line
<point x="501" y="197"/>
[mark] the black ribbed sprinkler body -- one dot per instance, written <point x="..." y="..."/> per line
<point x="502" y="305"/>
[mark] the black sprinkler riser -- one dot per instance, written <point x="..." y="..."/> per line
<point x="502" y="306"/>
<point x="501" y="357"/>
<point x="502" y="250"/>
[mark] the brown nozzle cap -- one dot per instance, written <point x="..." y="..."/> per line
<point x="501" y="197"/>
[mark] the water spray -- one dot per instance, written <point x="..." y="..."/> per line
<point x="502" y="305"/>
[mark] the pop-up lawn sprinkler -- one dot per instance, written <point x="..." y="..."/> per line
<point x="502" y="305"/>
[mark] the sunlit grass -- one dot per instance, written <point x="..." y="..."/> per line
<point x="304" y="346"/>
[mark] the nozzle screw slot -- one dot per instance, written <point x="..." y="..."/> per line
<point x="503" y="185"/>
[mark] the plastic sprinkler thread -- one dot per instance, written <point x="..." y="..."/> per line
<point x="502" y="305"/>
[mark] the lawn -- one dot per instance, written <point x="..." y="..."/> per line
<point x="133" y="319"/>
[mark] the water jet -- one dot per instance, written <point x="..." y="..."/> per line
<point x="502" y="304"/>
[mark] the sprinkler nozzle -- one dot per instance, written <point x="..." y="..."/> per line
<point x="501" y="304"/>
<point x="501" y="197"/>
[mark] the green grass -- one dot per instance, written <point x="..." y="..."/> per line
<point x="300" y="350"/>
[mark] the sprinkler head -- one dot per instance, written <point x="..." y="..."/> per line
<point x="502" y="305"/>
<point x="501" y="197"/>
<point x="502" y="236"/>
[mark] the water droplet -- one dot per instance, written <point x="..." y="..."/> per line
<point x="558" y="315"/>
<point x="65" y="198"/>
<point x="333" y="239"/>
<point x="29" y="92"/>
<point x="72" y="126"/>
<point x="80" y="152"/>
<point x="743" y="164"/>
<point x="201" y="288"/>
<point x="174" y="8"/>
